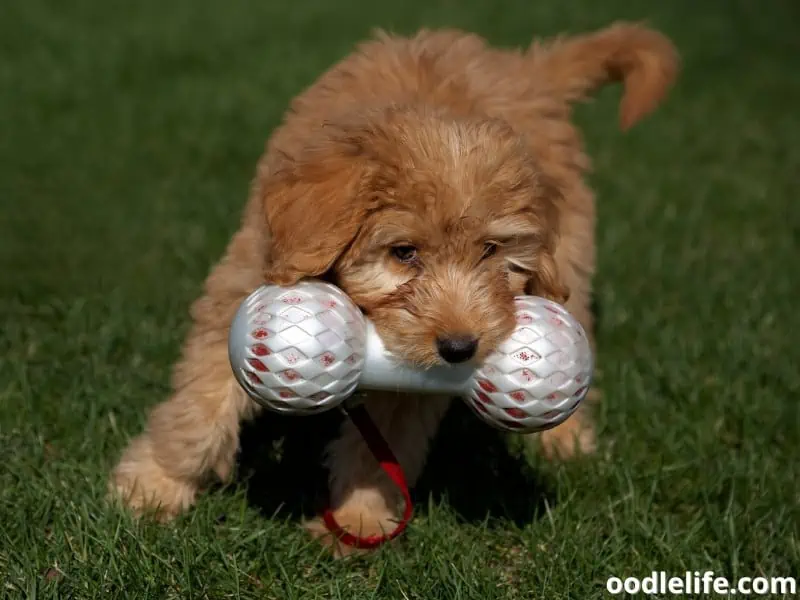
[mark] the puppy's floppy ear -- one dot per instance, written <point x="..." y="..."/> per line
<point x="546" y="280"/>
<point x="313" y="205"/>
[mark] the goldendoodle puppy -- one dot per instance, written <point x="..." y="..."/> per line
<point x="433" y="178"/>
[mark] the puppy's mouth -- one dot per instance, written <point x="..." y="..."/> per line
<point x="412" y="341"/>
<point x="422" y="350"/>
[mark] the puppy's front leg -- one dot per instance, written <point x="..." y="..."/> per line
<point x="195" y="433"/>
<point x="190" y="436"/>
<point x="364" y="500"/>
<point x="575" y="436"/>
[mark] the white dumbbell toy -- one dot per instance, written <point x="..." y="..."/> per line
<point x="307" y="348"/>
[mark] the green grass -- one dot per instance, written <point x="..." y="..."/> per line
<point x="129" y="135"/>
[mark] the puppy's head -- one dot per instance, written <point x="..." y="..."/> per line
<point x="430" y="224"/>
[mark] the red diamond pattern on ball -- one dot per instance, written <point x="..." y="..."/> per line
<point x="257" y="365"/>
<point x="487" y="386"/>
<point x="290" y="375"/>
<point x="517" y="413"/>
<point x="312" y="362"/>
<point x="537" y="372"/>
<point x="526" y="356"/>
<point x="526" y="375"/>
<point x="518" y="396"/>
<point x="292" y="355"/>
<point x="259" y="350"/>
<point x="484" y="398"/>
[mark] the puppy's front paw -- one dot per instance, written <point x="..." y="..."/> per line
<point x="568" y="440"/>
<point x="573" y="438"/>
<point x="142" y="485"/>
<point x="355" y="520"/>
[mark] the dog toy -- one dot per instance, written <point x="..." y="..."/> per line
<point x="306" y="349"/>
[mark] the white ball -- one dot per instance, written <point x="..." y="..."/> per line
<point x="298" y="350"/>
<point x="538" y="377"/>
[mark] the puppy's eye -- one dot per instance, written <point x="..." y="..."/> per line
<point x="515" y="268"/>
<point x="489" y="249"/>
<point x="405" y="253"/>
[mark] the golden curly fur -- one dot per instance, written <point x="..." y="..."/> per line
<point x="433" y="178"/>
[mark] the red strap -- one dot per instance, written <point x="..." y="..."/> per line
<point x="380" y="449"/>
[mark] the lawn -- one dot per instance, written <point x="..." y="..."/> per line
<point x="129" y="136"/>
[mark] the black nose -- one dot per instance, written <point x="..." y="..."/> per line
<point x="456" y="349"/>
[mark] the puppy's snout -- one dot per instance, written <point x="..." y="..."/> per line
<point x="457" y="348"/>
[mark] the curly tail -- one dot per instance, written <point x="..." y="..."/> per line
<point x="644" y="60"/>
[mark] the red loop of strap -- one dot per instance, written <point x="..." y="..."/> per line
<point x="390" y="465"/>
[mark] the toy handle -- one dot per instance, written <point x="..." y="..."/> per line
<point x="382" y="372"/>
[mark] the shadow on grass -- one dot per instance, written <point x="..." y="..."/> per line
<point x="469" y="469"/>
<point x="281" y="462"/>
